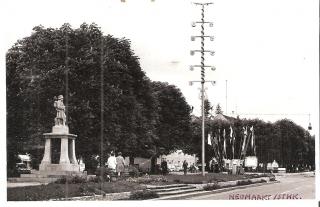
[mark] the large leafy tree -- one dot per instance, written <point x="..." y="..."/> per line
<point x="173" y="125"/>
<point x="84" y="65"/>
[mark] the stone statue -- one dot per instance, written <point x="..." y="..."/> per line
<point x="59" y="106"/>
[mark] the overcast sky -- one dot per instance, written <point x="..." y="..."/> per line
<point x="266" y="49"/>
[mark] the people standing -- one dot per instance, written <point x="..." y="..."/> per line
<point x="120" y="164"/>
<point x="185" y="167"/>
<point x="112" y="162"/>
<point x="164" y="167"/>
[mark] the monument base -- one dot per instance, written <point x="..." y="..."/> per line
<point x="57" y="168"/>
<point x="60" y="129"/>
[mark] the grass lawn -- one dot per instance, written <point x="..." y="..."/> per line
<point x="54" y="191"/>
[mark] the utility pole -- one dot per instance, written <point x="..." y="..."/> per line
<point x="202" y="66"/>
<point x="226" y="97"/>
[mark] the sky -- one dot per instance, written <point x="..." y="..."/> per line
<point x="267" y="50"/>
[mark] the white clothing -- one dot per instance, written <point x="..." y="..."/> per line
<point x="112" y="162"/>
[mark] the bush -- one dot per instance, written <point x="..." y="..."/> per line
<point x="210" y="187"/>
<point x="104" y="173"/>
<point x="42" y="192"/>
<point x="12" y="172"/>
<point x="244" y="182"/>
<point x="62" y="180"/>
<point x="177" y="181"/>
<point x="133" y="171"/>
<point x="71" y="179"/>
<point x="272" y="179"/>
<point x="143" y="195"/>
<point x="95" y="179"/>
<point x="86" y="190"/>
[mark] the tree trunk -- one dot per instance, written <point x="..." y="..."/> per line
<point x="153" y="164"/>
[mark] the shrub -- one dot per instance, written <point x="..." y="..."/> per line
<point x="71" y="179"/>
<point x="42" y="192"/>
<point x="78" y="179"/>
<point x="272" y="179"/>
<point x="263" y="181"/>
<point x="210" y="187"/>
<point x="244" y="182"/>
<point x="85" y="190"/>
<point x="133" y="171"/>
<point x="62" y="180"/>
<point x="177" y="181"/>
<point x="143" y="195"/>
<point x="103" y="171"/>
<point x="95" y="179"/>
<point x="12" y="172"/>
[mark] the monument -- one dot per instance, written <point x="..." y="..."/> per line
<point x="64" y="147"/>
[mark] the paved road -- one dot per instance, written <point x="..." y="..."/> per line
<point x="290" y="187"/>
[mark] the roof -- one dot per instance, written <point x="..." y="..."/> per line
<point x="224" y="118"/>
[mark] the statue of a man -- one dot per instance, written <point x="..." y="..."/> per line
<point x="61" y="116"/>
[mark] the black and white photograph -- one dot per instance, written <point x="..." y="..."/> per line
<point x="153" y="101"/>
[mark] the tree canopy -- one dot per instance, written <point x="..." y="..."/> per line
<point x="284" y="141"/>
<point x="218" y="109"/>
<point x="173" y="127"/>
<point x="110" y="102"/>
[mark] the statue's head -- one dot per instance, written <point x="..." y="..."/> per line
<point x="60" y="97"/>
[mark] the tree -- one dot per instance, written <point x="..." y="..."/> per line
<point x="284" y="141"/>
<point x="173" y="126"/>
<point x="218" y="109"/>
<point x="207" y="108"/>
<point x="71" y="62"/>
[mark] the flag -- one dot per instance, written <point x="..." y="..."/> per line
<point x="245" y="131"/>
<point x="216" y="146"/>
<point x="232" y="140"/>
<point x="244" y="140"/>
<point x="253" y="147"/>
<point x="215" y="141"/>
<point x="233" y="147"/>
<point x="209" y="140"/>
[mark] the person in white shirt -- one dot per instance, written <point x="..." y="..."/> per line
<point x="112" y="162"/>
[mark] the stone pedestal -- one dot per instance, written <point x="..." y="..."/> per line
<point x="68" y="162"/>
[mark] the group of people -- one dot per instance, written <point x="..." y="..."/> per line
<point x="116" y="164"/>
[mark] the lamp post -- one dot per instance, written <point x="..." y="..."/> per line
<point x="202" y="66"/>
